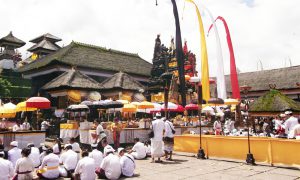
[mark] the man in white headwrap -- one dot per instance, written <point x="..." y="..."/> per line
<point x="158" y="127"/>
<point x="15" y="153"/>
<point x="290" y="123"/>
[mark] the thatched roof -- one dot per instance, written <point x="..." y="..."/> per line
<point x="121" y="81"/>
<point x="72" y="79"/>
<point x="44" y="44"/>
<point x="93" y="57"/>
<point x="284" y="78"/>
<point x="274" y="101"/>
<point x="47" y="36"/>
<point x="11" y="39"/>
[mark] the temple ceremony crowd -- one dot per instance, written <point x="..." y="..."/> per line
<point x="73" y="161"/>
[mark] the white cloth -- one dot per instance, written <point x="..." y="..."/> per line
<point x="69" y="159"/>
<point x="139" y="151"/>
<point x="277" y="123"/>
<point x="97" y="156"/>
<point x="13" y="155"/>
<point x="56" y="149"/>
<point x="168" y="129"/>
<point x="289" y="124"/>
<point x="42" y="156"/>
<point x="148" y="150"/>
<point x="158" y="127"/>
<point x="84" y="131"/>
<point x="45" y="125"/>
<point x="50" y="161"/>
<point x="35" y="156"/>
<point x="24" y="164"/>
<point x="127" y="165"/>
<point x="25" y="126"/>
<point x="112" y="167"/>
<point x="296" y="130"/>
<point x="86" y="168"/>
<point x="16" y="128"/>
<point x="6" y="169"/>
<point x="100" y="132"/>
<point x="106" y="149"/>
<point x="75" y="147"/>
<point x="157" y="148"/>
<point x="217" y="125"/>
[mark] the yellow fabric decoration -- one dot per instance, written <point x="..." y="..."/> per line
<point x="34" y="56"/>
<point x="74" y="95"/>
<point x="204" y="59"/>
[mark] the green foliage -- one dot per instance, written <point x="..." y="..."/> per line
<point x="4" y="87"/>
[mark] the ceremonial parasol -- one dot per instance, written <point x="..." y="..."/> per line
<point x="38" y="102"/>
<point x="192" y="107"/>
<point x="157" y="108"/>
<point x="88" y="103"/>
<point x="145" y="105"/>
<point x="123" y="101"/>
<point x="22" y="107"/>
<point x="78" y="108"/>
<point x="231" y="101"/>
<point x="8" y="110"/>
<point x="129" y="108"/>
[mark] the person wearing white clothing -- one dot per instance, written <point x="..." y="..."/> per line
<point x="296" y="130"/>
<point x="107" y="147"/>
<point x="99" y="132"/>
<point x="6" y="168"/>
<point x="217" y="126"/>
<point x="127" y="163"/>
<point x="169" y="139"/>
<point x="15" y="153"/>
<point x="75" y="147"/>
<point x="158" y="126"/>
<point x="110" y="167"/>
<point x="57" y="147"/>
<point x="69" y="159"/>
<point x="25" y="126"/>
<point x="17" y="127"/>
<point x="86" y="167"/>
<point x="49" y="167"/>
<point x="138" y="151"/>
<point x="24" y="166"/>
<point x="290" y="123"/>
<point x="34" y="155"/>
<point x="96" y="155"/>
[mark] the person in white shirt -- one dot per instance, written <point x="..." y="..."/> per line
<point x="57" y="147"/>
<point x="49" y="168"/>
<point x="229" y="125"/>
<point x="110" y="167"/>
<point x="296" y="130"/>
<point x="127" y="163"/>
<point x="75" y="147"/>
<point x="138" y="151"/>
<point x="69" y="159"/>
<point x="86" y="167"/>
<point x="217" y="126"/>
<point x="17" y="127"/>
<point x="99" y="132"/>
<point x="106" y="147"/>
<point x="25" y="126"/>
<point x="290" y="123"/>
<point x="34" y="155"/>
<point x="96" y="155"/>
<point x="169" y="139"/>
<point x="6" y="168"/>
<point x="158" y="126"/>
<point x="148" y="148"/>
<point x="15" y="153"/>
<point x="84" y="128"/>
<point x="24" y="166"/>
<point x="44" y="153"/>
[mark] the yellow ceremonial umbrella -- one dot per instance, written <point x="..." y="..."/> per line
<point x="129" y="108"/>
<point x="8" y="111"/>
<point x="123" y="101"/>
<point x="145" y="105"/>
<point x="231" y="101"/>
<point x="22" y="107"/>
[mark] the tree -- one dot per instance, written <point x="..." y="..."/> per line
<point x="4" y="87"/>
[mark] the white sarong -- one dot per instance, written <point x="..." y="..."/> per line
<point x="157" y="148"/>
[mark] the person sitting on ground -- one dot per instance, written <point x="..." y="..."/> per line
<point x="148" y="148"/>
<point x="49" y="167"/>
<point x="85" y="168"/>
<point x="127" y="163"/>
<point x="75" y="147"/>
<point x="44" y="153"/>
<point x="5" y="152"/>
<point x="69" y="159"/>
<point x="138" y="151"/>
<point x="15" y="153"/>
<point x="110" y="167"/>
<point x="106" y="147"/>
<point x="34" y="155"/>
<point x="7" y="170"/>
<point x="57" y="147"/>
<point x="96" y="155"/>
<point x="24" y="166"/>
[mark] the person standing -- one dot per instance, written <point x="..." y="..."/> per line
<point x="296" y="130"/>
<point x="169" y="139"/>
<point x="99" y="132"/>
<point x="15" y="153"/>
<point x="6" y="168"/>
<point x="158" y="126"/>
<point x="45" y="126"/>
<point x="116" y="129"/>
<point x="34" y="155"/>
<point x="86" y="167"/>
<point x="25" y="126"/>
<point x="217" y="126"/>
<point x="96" y="155"/>
<point x="69" y="159"/>
<point x="17" y="126"/>
<point x="49" y="167"/>
<point x="138" y="151"/>
<point x="127" y="163"/>
<point x="290" y="123"/>
<point x="24" y="166"/>
<point x="229" y="125"/>
<point x="110" y="167"/>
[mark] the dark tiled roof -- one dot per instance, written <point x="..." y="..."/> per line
<point x="121" y="81"/>
<point x="44" y="44"/>
<point x="284" y="78"/>
<point x="94" y="57"/>
<point x="72" y="79"/>
<point x="10" y="38"/>
<point x="47" y="36"/>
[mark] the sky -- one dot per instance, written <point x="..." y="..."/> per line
<point x="261" y="30"/>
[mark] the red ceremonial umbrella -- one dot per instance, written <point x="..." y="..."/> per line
<point x="192" y="107"/>
<point x="38" y="102"/>
<point x="178" y="109"/>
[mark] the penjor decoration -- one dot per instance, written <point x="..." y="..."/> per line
<point x="204" y="59"/>
<point x="233" y="74"/>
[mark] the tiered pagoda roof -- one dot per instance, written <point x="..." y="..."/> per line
<point x="11" y="40"/>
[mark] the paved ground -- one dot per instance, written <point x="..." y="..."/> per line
<point x="188" y="167"/>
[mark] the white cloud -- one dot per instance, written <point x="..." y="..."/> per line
<point x="264" y="29"/>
